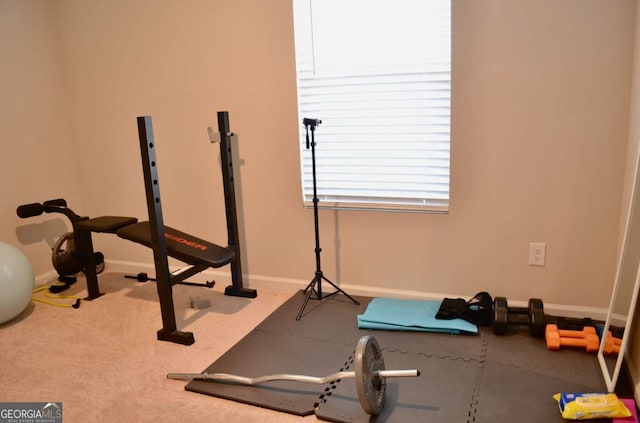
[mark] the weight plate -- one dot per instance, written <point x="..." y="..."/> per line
<point x="536" y="304"/>
<point x="63" y="256"/>
<point x="537" y="321"/>
<point x="500" y="302"/>
<point x="500" y="322"/>
<point x="99" y="259"/>
<point x="99" y="267"/>
<point x="370" y="388"/>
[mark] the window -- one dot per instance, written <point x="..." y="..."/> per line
<point x="378" y="75"/>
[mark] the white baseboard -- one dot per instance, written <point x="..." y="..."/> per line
<point x="292" y="285"/>
<point x="268" y="282"/>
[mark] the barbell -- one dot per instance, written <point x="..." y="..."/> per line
<point x="369" y="374"/>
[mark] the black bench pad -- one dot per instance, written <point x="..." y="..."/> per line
<point x="180" y="245"/>
<point x="109" y="224"/>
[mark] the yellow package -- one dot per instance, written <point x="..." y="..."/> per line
<point x="574" y="406"/>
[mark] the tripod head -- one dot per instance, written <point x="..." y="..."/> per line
<point x="308" y="122"/>
<point x="311" y="122"/>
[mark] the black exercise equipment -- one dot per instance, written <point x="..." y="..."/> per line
<point x="315" y="286"/>
<point x="143" y="277"/>
<point x="369" y="374"/>
<point x="140" y="277"/>
<point x="531" y="316"/>
<point x="478" y="310"/>
<point x="165" y="241"/>
<point x="66" y="257"/>
<point x="63" y="257"/>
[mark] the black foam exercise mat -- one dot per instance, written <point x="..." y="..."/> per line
<point x="465" y="378"/>
<point x="443" y="392"/>
<point x="520" y="376"/>
<point x="260" y="354"/>
<point x="317" y="345"/>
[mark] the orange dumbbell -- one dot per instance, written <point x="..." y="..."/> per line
<point x="611" y="344"/>
<point x="586" y="338"/>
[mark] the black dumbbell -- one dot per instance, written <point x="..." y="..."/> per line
<point x="532" y="316"/>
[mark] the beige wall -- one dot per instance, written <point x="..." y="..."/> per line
<point x="539" y="134"/>
<point x="38" y="159"/>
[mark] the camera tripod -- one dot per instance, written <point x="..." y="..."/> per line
<point x="314" y="289"/>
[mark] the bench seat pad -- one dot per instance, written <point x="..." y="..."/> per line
<point x="180" y="245"/>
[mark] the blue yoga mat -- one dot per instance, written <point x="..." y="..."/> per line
<point x="410" y="315"/>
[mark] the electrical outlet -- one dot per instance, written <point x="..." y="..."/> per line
<point x="537" y="253"/>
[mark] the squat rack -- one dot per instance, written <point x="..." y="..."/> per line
<point x="165" y="279"/>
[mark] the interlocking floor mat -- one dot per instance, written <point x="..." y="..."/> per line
<point x="465" y="378"/>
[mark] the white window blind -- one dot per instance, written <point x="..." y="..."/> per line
<point x="378" y="75"/>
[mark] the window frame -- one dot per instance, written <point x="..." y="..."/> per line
<point x="438" y="75"/>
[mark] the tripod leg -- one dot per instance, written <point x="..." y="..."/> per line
<point x="340" y="290"/>
<point x="311" y="285"/>
<point x="309" y="291"/>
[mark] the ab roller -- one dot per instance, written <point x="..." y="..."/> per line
<point x="369" y="374"/>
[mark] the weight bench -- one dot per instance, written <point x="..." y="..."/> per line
<point x="180" y="245"/>
<point x="165" y="241"/>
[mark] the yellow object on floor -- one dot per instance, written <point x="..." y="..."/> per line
<point x="45" y="288"/>
<point x="574" y="406"/>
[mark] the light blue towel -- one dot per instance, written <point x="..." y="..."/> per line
<point x="410" y="315"/>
